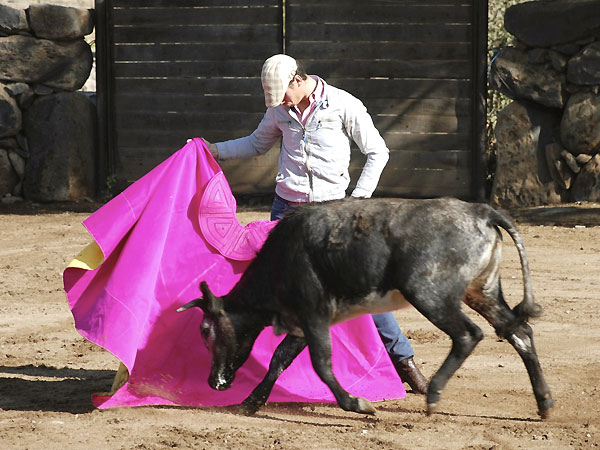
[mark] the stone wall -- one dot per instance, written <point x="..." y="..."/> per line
<point x="47" y="127"/>
<point x="548" y="138"/>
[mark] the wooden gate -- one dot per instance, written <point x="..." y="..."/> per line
<point x="169" y="70"/>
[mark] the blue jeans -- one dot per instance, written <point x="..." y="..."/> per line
<point x="391" y="335"/>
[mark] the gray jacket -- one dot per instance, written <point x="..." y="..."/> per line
<point x="314" y="159"/>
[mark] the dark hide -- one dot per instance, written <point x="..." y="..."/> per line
<point x="326" y="263"/>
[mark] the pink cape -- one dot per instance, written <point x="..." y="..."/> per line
<point x="170" y="230"/>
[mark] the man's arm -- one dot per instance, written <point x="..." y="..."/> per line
<point x="360" y="127"/>
<point x="258" y="143"/>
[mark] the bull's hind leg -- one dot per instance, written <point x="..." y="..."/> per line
<point x="285" y="353"/>
<point x="319" y="345"/>
<point x="494" y="309"/>
<point x="464" y="334"/>
<point x="522" y="340"/>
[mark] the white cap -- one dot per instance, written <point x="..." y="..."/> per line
<point x="277" y="72"/>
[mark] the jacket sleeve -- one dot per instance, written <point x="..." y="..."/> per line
<point x="258" y="143"/>
<point x="361" y="129"/>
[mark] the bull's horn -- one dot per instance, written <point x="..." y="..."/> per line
<point x="189" y="305"/>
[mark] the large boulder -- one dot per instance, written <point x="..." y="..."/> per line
<point x="12" y="21"/>
<point x="584" y="68"/>
<point x="548" y="23"/>
<point x="10" y="114"/>
<point x="522" y="175"/>
<point x="61" y="134"/>
<point x="8" y="176"/>
<point x="514" y="74"/>
<point x="60" y="22"/>
<point x="65" y="66"/>
<point x="580" y="125"/>
<point x="587" y="184"/>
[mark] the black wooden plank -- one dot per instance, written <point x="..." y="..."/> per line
<point x="381" y="88"/>
<point x="223" y="121"/>
<point x="196" y="51"/>
<point x="377" y="3"/>
<point x="169" y="16"/>
<point x="306" y="50"/>
<point x="132" y="101"/>
<point x="187" y="120"/>
<point x="249" y="68"/>
<point x="170" y="69"/>
<point x="265" y="33"/>
<point x="167" y="138"/>
<point x="427" y="141"/>
<point x="376" y="32"/>
<point x="392" y="68"/>
<point x="382" y="13"/>
<point x="422" y="106"/>
<point x="188" y="3"/>
<point x="129" y="102"/>
<point x="360" y="88"/>
<point x="212" y="86"/>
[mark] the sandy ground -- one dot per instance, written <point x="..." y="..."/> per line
<point x="48" y="371"/>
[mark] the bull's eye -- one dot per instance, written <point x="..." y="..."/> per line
<point x="206" y="330"/>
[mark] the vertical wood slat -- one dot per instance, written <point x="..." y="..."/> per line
<point x="479" y="100"/>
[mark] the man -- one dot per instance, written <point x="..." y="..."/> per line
<point x="316" y="123"/>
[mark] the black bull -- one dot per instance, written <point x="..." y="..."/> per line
<point x="326" y="263"/>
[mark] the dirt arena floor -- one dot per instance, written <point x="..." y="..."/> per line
<point x="48" y="371"/>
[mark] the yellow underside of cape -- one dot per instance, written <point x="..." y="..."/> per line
<point x="89" y="258"/>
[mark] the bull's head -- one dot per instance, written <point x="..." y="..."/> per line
<point x="225" y="334"/>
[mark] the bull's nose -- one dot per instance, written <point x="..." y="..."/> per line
<point x="220" y="384"/>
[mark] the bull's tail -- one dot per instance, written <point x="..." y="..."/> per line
<point x="528" y="308"/>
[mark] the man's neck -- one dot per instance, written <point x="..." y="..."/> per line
<point x="311" y="85"/>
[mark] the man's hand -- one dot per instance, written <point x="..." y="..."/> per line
<point x="213" y="149"/>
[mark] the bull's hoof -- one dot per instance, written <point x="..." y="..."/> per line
<point x="248" y="408"/>
<point x="431" y="408"/>
<point x="545" y="408"/>
<point x="365" y="406"/>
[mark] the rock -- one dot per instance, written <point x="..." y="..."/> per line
<point x="9" y="144"/>
<point x="558" y="61"/>
<point x="60" y="130"/>
<point x="552" y="152"/>
<point x="10" y="114"/>
<point x="582" y="159"/>
<point x="26" y="98"/>
<point x="8" y="177"/>
<point x="584" y="68"/>
<point x="566" y="176"/>
<point x="58" y="65"/>
<point x="567" y="49"/>
<point x="60" y="22"/>
<point x="587" y="184"/>
<point x="580" y="125"/>
<point x="522" y="179"/>
<point x="12" y="21"/>
<point x="514" y="76"/>
<point x="18" y="165"/>
<point x="40" y="89"/>
<point x="23" y="146"/>
<point x="15" y="89"/>
<point x="571" y="161"/>
<point x="552" y="23"/>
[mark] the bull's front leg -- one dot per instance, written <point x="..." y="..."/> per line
<point x="319" y="346"/>
<point x="284" y="354"/>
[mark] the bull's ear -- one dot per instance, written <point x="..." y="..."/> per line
<point x="213" y="304"/>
